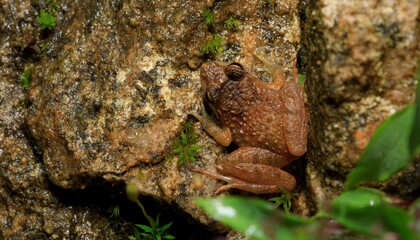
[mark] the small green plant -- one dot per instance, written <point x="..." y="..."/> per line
<point x="184" y="146"/>
<point x="26" y="78"/>
<point x="47" y="20"/>
<point x="301" y="79"/>
<point x="213" y="46"/>
<point x="232" y="23"/>
<point x="152" y="232"/>
<point x="115" y="219"/>
<point x="208" y="16"/>
<point x="285" y="200"/>
<point x="140" y="175"/>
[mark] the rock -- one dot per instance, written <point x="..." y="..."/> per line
<point x="28" y="208"/>
<point x="362" y="59"/>
<point x="112" y="86"/>
<point x="111" y="94"/>
<point x="115" y="81"/>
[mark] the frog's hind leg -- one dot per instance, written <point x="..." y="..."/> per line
<point x="246" y="186"/>
<point x="258" y="178"/>
<point x="254" y="170"/>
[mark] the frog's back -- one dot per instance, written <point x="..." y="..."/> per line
<point x="253" y="114"/>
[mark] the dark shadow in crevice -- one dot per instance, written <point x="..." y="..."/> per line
<point x="104" y="197"/>
<point x="36" y="149"/>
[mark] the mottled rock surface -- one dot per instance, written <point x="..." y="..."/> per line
<point x="112" y="86"/>
<point x="114" y="82"/>
<point x="28" y="208"/>
<point x="362" y="59"/>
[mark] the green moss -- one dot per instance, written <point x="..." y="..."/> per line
<point x="301" y="79"/>
<point x="26" y="78"/>
<point x="232" y="23"/>
<point x="208" y="17"/>
<point x="47" y="20"/>
<point x="214" y="46"/>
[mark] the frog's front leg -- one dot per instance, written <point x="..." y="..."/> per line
<point x="254" y="170"/>
<point x="222" y="135"/>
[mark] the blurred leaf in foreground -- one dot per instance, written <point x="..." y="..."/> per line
<point x="415" y="132"/>
<point x="366" y="211"/>
<point x="387" y="152"/>
<point x="256" y="218"/>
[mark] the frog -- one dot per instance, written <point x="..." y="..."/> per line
<point x="267" y="121"/>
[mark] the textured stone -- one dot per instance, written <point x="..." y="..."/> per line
<point x="112" y="85"/>
<point x="362" y="59"/>
<point x="28" y="208"/>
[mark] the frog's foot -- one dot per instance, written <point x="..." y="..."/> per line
<point x="283" y="181"/>
<point x="250" y="187"/>
<point x="258" y="178"/>
<point x="232" y="182"/>
<point x="222" y="135"/>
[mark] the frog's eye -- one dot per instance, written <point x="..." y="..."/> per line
<point x="235" y="71"/>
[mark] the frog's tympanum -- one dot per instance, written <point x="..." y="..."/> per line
<point x="267" y="121"/>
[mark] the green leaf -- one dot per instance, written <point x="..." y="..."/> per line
<point x="184" y="139"/>
<point x="168" y="237"/>
<point x="145" y="228"/>
<point x="137" y="234"/>
<point x="301" y="79"/>
<point x="147" y="235"/>
<point x="208" y="16"/>
<point x="177" y="150"/>
<point x="181" y="156"/>
<point x="195" y="148"/>
<point x="365" y="211"/>
<point x="285" y="200"/>
<point x="166" y="226"/>
<point x="415" y="132"/>
<point x="156" y="223"/>
<point x="387" y="152"/>
<point x="255" y="218"/>
<point x="360" y="197"/>
<point x="47" y="20"/>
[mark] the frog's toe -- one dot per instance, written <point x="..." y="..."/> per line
<point x="250" y="187"/>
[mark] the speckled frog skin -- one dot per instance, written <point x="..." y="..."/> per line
<point x="268" y="121"/>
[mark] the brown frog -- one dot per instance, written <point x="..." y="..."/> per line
<point x="267" y="121"/>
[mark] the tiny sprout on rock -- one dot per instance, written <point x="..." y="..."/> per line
<point x="152" y="232"/>
<point x="213" y="46"/>
<point x="47" y="20"/>
<point x="26" y="78"/>
<point x="285" y="200"/>
<point x="208" y="16"/>
<point x="232" y="23"/>
<point x="184" y="146"/>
